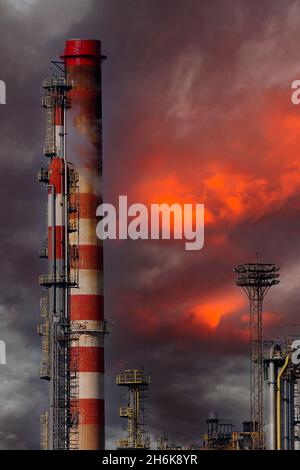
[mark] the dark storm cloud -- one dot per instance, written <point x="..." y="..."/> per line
<point x="187" y="85"/>
<point x="26" y="47"/>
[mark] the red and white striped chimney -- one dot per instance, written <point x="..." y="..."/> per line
<point x="84" y="141"/>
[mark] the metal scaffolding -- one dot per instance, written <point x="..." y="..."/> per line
<point x="55" y="325"/>
<point x="256" y="279"/>
<point x="137" y="383"/>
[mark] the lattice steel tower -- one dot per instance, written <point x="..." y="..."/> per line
<point x="137" y="383"/>
<point x="256" y="279"/>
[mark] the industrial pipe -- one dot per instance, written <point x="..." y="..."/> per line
<point x="278" y="400"/>
<point x="272" y="385"/>
<point x="285" y="403"/>
<point x="275" y="353"/>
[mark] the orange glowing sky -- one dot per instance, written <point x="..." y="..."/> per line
<point x="244" y="179"/>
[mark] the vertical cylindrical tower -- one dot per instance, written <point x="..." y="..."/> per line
<point x="83" y="67"/>
<point x="272" y="403"/>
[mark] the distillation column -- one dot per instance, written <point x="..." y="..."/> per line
<point x="272" y="367"/>
<point x="82" y="59"/>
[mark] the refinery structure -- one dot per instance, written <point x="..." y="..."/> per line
<point x="72" y="323"/>
<point x="274" y="371"/>
<point x="136" y="382"/>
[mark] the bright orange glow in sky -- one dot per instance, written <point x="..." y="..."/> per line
<point x="212" y="311"/>
<point x="244" y="176"/>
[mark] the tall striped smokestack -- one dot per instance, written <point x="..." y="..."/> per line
<point x="84" y="136"/>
